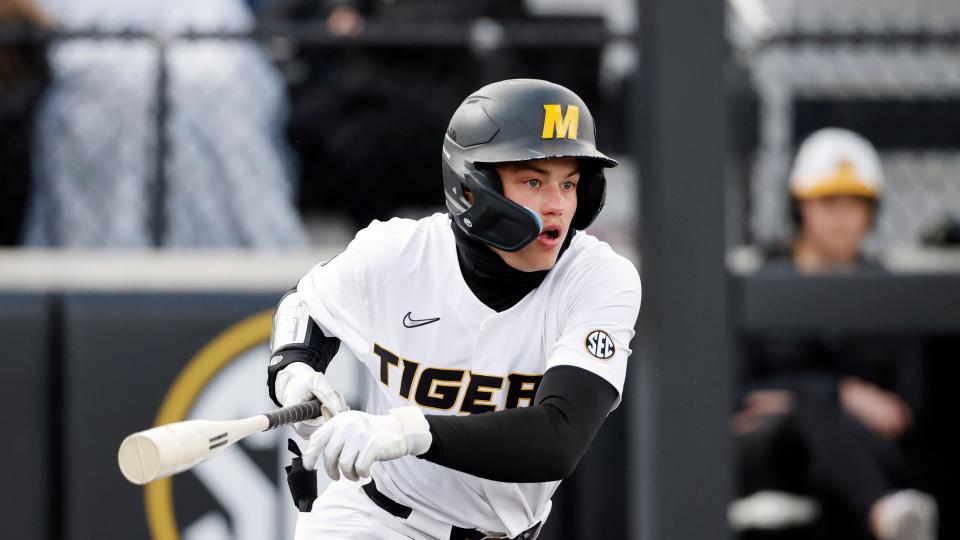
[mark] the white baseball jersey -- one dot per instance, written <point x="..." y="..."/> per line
<point x="397" y="299"/>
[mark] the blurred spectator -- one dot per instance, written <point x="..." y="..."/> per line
<point x="24" y="75"/>
<point x="835" y="191"/>
<point x="228" y="176"/>
<point x="347" y="17"/>
<point x="376" y="104"/>
<point x="824" y="415"/>
<point x="378" y="110"/>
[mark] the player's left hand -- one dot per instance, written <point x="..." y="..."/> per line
<point x="297" y="383"/>
<point x="351" y="442"/>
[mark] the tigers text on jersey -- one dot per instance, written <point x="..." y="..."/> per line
<point x="397" y="299"/>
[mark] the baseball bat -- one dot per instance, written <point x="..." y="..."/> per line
<point x="173" y="448"/>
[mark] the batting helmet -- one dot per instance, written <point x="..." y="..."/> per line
<point x="509" y="121"/>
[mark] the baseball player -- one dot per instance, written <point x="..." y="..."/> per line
<point x="496" y="337"/>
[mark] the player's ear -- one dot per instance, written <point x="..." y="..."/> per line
<point x="468" y="194"/>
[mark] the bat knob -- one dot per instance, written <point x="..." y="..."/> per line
<point x="139" y="459"/>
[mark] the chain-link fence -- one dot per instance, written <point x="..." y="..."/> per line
<point x="141" y="140"/>
<point x="889" y="70"/>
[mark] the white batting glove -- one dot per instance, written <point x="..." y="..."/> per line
<point x="352" y="442"/>
<point x="297" y="383"/>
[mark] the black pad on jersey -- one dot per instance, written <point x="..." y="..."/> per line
<point x="316" y="351"/>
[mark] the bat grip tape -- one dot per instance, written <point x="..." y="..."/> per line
<point x="293" y="414"/>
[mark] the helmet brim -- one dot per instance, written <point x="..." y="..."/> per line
<point x="491" y="154"/>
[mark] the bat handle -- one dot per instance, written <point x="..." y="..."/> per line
<point x="293" y="414"/>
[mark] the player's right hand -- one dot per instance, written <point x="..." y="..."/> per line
<point x="297" y="383"/>
<point x="351" y="443"/>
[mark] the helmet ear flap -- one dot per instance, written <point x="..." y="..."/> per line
<point x="591" y="194"/>
<point x="492" y="218"/>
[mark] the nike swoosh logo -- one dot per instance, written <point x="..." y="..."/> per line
<point x="410" y="322"/>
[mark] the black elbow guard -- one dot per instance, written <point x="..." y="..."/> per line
<point x="297" y="338"/>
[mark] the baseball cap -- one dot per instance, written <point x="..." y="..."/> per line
<point x="833" y="162"/>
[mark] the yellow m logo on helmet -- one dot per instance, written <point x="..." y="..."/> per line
<point x="559" y="125"/>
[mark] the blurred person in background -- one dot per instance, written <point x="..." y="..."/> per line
<point x="228" y="174"/>
<point x="835" y="190"/>
<point x="824" y="415"/>
<point x="24" y="75"/>
<point x="375" y="107"/>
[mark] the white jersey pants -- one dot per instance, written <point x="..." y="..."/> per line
<point x="344" y="511"/>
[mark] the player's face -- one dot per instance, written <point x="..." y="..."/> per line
<point x="548" y="187"/>
<point x="836" y="226"/>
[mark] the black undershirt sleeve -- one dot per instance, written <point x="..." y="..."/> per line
<point x="540" y="443"/>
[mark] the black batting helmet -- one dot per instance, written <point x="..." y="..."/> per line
<point x="517" y="120"/>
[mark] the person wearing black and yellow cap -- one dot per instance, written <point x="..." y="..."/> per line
<point x="822" y="414"/>
<point x="835" y="188"/>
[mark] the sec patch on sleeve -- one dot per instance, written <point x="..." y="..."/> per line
<point x="600" y="344"/>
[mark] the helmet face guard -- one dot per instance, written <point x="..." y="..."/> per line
<point x="492" y="218"/>
<point x="511" y="121"/>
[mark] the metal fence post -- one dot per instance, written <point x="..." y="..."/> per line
<point x="158" y="205"/>
<point x="679" y="454"/>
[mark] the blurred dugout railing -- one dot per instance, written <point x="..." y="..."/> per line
<point x="889" y="70"/>
<point x="164" y="178"/>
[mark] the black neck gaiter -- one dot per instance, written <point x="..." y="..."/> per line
<point x="493" y="281"/>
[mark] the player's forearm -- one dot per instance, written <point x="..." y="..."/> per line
<point x="533" y="450"/>
<point x="540" y="443"/>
